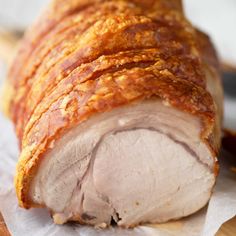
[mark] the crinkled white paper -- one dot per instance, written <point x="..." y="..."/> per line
<point x="37" y="222"/>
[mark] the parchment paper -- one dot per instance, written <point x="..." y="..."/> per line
<point x="37" y="222"/>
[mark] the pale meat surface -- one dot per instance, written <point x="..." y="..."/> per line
<point x="141" y="163"/>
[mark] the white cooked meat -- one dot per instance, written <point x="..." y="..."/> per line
<point x="139" y="163"/>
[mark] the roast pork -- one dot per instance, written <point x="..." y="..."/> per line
<point x="117" y="106"/>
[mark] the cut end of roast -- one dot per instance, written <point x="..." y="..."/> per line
<point x="142" y="163"/>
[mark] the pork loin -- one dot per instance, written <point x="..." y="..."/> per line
<point x="118" y="108"/>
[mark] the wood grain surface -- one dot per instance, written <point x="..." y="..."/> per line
<point x="3" y="228"/>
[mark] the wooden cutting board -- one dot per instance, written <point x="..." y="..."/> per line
<point x="3" y="228"/>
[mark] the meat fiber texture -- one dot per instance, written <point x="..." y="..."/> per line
<point x="38" y="222"/>
<point x="117" y="106"/>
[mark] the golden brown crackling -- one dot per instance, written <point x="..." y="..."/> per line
<point x="179" y="65"/>
<point x="83" y="22"/>
<point x="104" y="94"/>
<point x="49" y="19"/>
<point x="162" y="35"/>
<point x="34" y="60"/>
<point x="207" y="50"/>
<point x="22" y="92"/>
<point x="66" y="66"/>
<point x="52" y="16"/>
<point x="57" y="11"/>
<point x="93" y="48"/>
<point x="27" y="47"/>
<point x="194" y="73"/>
<point x="156" y="5"/>
<point x="71" y="26"/>
<point x="103" y="64"/>
<point x="212" y="71"/>
<point x="20" y="105"/>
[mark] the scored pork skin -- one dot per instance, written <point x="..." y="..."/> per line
<point x="86" y="59"/>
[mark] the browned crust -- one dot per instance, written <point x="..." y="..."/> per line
<point x="127" y="51"/>
<point x="110" y="91"/>
<point x="214" y="84"/>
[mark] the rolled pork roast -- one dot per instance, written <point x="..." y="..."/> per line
<point x="117" y="106"/>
